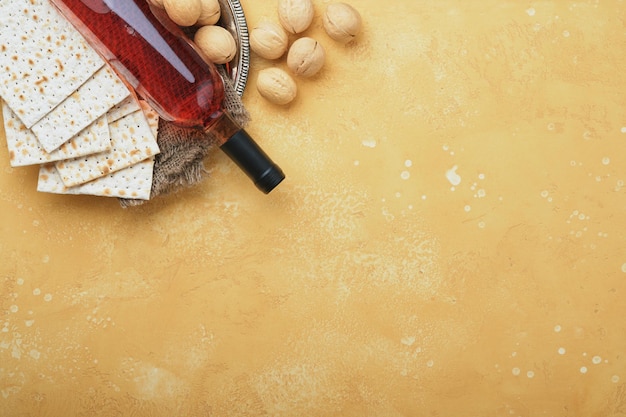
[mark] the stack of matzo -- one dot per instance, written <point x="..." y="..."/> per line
<point x="66" y="110"/>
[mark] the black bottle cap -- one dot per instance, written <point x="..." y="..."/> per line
<point x="245" y="152"/>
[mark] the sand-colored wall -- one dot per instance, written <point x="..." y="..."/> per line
<point x="372" y="282"/>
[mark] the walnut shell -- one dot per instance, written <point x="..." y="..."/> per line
<point x="342" y="22"/>
<point x="210" y="13"/>
<point x="183" y="12"/>
<point x="216" y="43"/>
<point x="269" y="40"/>
<point x="276" y="86"/>
<point x="306" y="57"/>
<point x="295" y="15"/>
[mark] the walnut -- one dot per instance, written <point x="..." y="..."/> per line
<point x="211" y="12"/>
<point x="183" y="12"/>
<point x="276" y="86"/>
<point x="216" y="43"/>
<point x="295" y="15"/>
<point x="306" y="57"/>
<point x="269" y="40"/>
<point x="342" y="22"/>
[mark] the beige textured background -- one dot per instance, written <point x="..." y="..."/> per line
<point x="367" y="284"/>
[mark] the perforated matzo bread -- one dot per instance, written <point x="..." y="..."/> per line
<point x="43" y="59"/>
<point x="131" y="141"/>
<point x="92" y="99"/>
<point x="24" y="147"/>
<point x="131" y="182"/>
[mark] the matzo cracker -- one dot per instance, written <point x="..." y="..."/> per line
<point x="92" y="99"/>
<point x="131" y="141"/>
<point x="128" y="106"/>
<point x="134" y="182"/>
<point x="24" y="147"/>
<point x="43" y="59"/>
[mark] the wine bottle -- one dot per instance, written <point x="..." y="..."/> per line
<point x="156" y="59"/>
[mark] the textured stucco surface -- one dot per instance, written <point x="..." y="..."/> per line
<point x="450" y="240"/>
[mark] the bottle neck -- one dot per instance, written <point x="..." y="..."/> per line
<point x="246" y="153"/>
<point x="223" y="128"/>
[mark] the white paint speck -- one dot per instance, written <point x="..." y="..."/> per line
<point x="424" y="197"/>
<point x="357" y="163"/>
<point x="482" y="225"/>
<point x="481" y="193"/>
<point x="615" y="379"/>
<point x="35" y="354"/>
<point x="566" y="33"/>
<point x="516" y="371"/>
<point x="408" y="163"/>
<point x="530" y="374"/>
<point x="14" y="308"/>
<point x="398" y="194"/>
<point x="45" y="259"/>
<point x="583" y="369"/>
<point x="36" y="291"/>
<point x="545" y="194"/>
<point x="47" y="297"/>
<point x="623" y="130"/>
<point x="452" y="176"/>
<point x="369" y="143"/>
<point x="481" y="176"/>
<point x="606" y="160"/>
<point x="20" y="281"/>
<point x="557" y="328"/>
<point x="29" y="323"/>
<point x="551" y="126"/>
<point x="530" y="11"/>
<point x="405" y="175"/>
<point x="408" y="341"/>
<point x="430" y="363"/>
<point x="624" y="268"/>
<point x="467" y="208"/>
<point x="596" y="360"/>
<point x="562" y="351"/>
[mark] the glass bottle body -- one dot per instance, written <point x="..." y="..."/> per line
<point x="153" y="56"/>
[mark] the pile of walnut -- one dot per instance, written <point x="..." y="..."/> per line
<point x="268" y="39"/>
<point x="214" y="41"/>
<point x="306" y="56"/>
